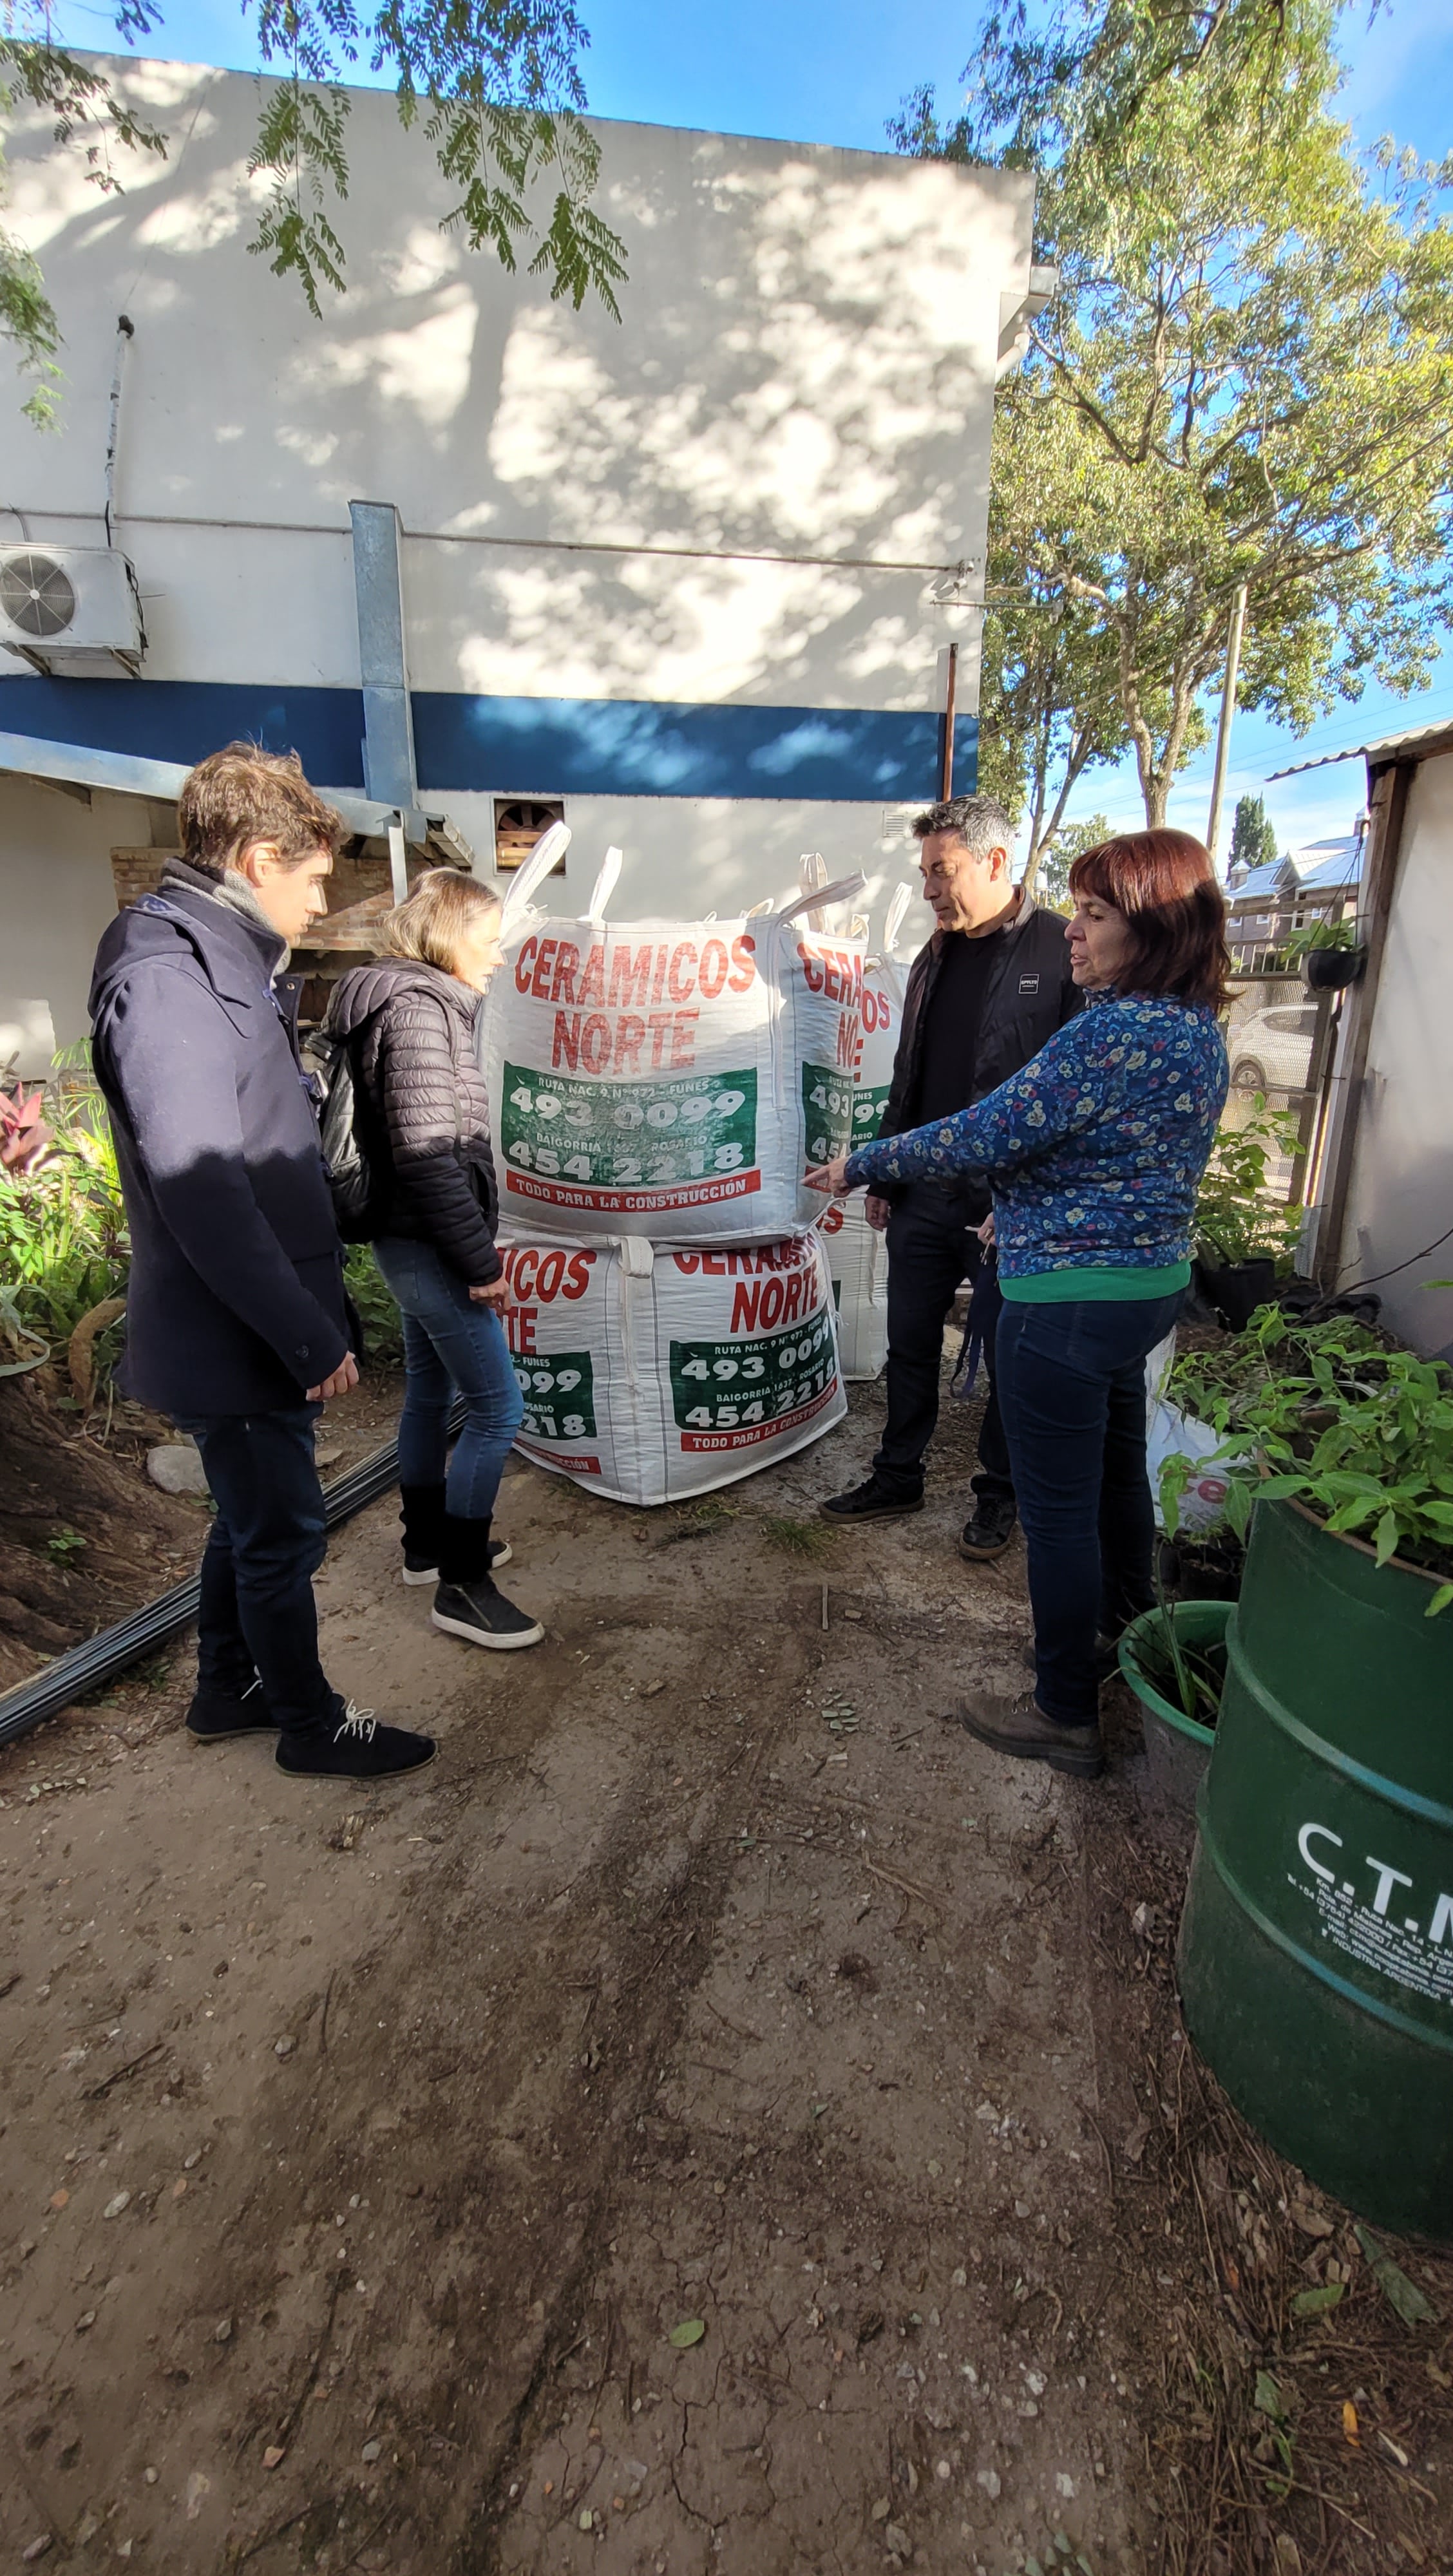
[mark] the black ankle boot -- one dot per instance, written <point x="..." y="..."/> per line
<point x="463" y="1549"/>
<point x="422" y="1514"/>
<point x="467" y="1603"/>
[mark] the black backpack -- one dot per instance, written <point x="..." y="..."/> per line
<point x="350" y="1174"/>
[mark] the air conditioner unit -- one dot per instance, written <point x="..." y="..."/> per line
<point x="73" y="609"/>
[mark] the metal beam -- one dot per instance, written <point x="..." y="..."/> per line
<point x="389" y="770"/>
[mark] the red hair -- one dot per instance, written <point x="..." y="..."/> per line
<point x="1164" y="884"/>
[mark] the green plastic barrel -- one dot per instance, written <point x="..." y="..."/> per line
<point x="1316" y="1946"/>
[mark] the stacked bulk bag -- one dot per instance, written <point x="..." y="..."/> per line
<point x="669" y="1080"/>
<point x="657" y="1090"/>
<point x="857" y="1257"/>
<point x="650" y="1375"/>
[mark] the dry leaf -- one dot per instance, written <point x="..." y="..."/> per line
<point x="1310" y="2221"/>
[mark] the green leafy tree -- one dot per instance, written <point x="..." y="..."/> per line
<point x="1246" y="378"/>
<point x="1058" y="856"/>
<point x="1049" y="705"/>
<point x="1253" y="835"/>
<point x="495" y="84"/>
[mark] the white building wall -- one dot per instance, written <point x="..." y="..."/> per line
<point x="677" y="569"/>
<point x="57" y="894"/>
<point x="1401" y="1193"/>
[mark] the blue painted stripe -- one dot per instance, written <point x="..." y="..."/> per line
<point x="551" y="746"/>
<point x="634" y="747"/>
<point x="185" y="719"/>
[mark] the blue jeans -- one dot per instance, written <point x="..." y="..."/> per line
<point x="450" y="1344"/>
<point x="1072" y="1389"/>
<point x="257" y="1611"/>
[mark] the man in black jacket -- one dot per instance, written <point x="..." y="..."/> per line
<point x="236" y="1320"/>
<point x="992" y="984"/>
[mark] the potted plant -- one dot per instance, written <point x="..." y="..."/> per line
<point x="1245" y="1238"/>
<point x="1174" y="1659"/>
<point x="1330" y="954"/>
<point x="1316" y="1949"/>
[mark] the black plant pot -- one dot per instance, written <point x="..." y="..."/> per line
<point x="1200" y="1569"/>
<point x="1331" y="970"/>
<point x="1238" y="1288"/>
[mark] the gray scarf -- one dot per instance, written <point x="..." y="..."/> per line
<point x="230" y="889"/>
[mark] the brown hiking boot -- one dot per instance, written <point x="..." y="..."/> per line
<point x="1018" y="1726"/>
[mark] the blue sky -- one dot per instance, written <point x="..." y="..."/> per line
<point x="832" y="71"/>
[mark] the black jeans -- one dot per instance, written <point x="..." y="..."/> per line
<point x="932" y="1246"/>
<point x="1072" y="1384"/>
<point x="257" y="1609"/>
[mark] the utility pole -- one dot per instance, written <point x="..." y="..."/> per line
<point x="946" y="773"/>
<point x="1228" y="710"/>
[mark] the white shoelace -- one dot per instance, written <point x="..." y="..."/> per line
<point x="357" y="1721"/>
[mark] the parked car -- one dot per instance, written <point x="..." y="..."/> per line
<point x="1272" y="1051"/>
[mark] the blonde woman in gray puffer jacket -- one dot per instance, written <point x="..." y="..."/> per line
<point x="422" y="1120"/>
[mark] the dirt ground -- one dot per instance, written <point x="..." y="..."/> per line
<point x="717" y="2118"/>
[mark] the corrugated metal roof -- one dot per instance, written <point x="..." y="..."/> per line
<point x="116" y="773"/>
<point x="1388" y="746"/>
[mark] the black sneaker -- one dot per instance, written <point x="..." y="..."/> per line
<point x="425" y="1569"/>
<point x="219" y="1716"/>
<point x="989" y="1532"/>
<point x="353" y="1746"/>
<point x="870" y="1502"/>
<point x="482" y="1615"/>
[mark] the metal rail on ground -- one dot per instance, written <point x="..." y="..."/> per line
<point x="84" y="1668"/>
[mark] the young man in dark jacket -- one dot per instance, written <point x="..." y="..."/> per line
<point x="236" y="1323"/>
<point x="992" y="984"/>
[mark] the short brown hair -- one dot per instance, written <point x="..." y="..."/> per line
<point x="1165" y="885"/>
<point x="241" y="795"/>
<point x="441" y="906"/>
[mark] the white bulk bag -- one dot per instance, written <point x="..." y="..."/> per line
<point x="669" y="1079"/>
<point x="857" y="1257"/>
<point x="881" y="1017"/>
<point x="649" y="1375"/>
<point x="857" y="1261"/>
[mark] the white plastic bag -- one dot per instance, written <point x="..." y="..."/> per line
<point x="648" y="1375"/>
<point x="669" y="1079"/>
<point x="1169" y="1433"/>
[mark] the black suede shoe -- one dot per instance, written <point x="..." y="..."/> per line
<point x="478" y="1613"/>
<point x="351" y="1745"/>
<point x="870" y="1502"/>
<point x="220" y="1716"/>
<point x="989" y="1532"/>
<point x="425" y="1569"/>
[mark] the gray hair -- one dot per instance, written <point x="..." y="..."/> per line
<point x="980" y="822"/>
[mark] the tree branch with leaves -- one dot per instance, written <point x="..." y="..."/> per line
<point x="496" y="86"/>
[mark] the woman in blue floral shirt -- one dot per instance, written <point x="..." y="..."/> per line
<point x="1094" y="1152"/>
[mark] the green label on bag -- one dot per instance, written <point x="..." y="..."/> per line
<point x="827" y="1112"/>
<point x="559" y="1395"/>
<point x="869" y="1102"/>
<point x="629" y="1144"/>
<point x="746" y="1389"/>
